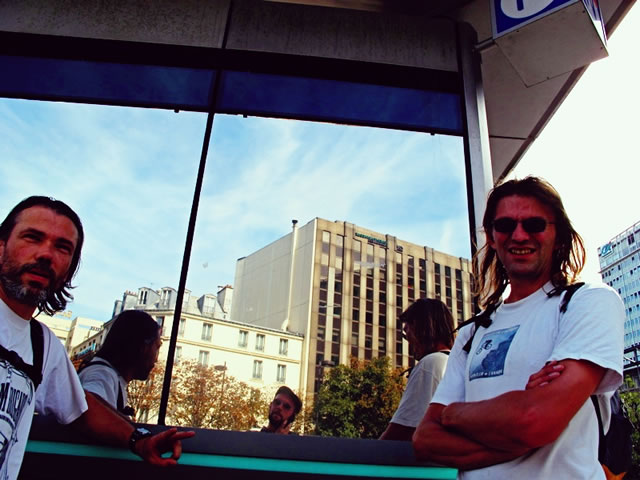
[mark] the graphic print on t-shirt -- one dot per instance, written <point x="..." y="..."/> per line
<point x="488" y="358"/>
<point x="16" y="393"/>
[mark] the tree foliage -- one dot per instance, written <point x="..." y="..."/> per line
<point x="204" y="397"/>
<point x="305" y="420"/>
<point x="144" y="396"/>
<point x="358" y="400"/>
<point x="200" y="397"/>
<point x="631" y="399"/>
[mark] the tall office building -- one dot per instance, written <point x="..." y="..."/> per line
<point x="343" y="287"/>
<point x="620" y="268"/>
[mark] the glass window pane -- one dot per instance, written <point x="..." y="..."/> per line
<point x="129" y="173"/>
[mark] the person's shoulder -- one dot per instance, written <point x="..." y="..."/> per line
<point x="98" y="364"/>
<point x="433" y="358"/>
<point x="465" y="329"/>
<point x="432" y="362"/>
<point x="599" y="290"/>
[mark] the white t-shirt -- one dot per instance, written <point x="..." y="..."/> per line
<point x="60" y="392"/>
<point x="104" y="381"/>
<point x="422" y="384"/>
<point x="523" y="336"/>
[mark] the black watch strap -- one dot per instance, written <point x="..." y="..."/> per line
<point x="138" y="434"/>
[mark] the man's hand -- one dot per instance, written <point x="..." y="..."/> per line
<point x="152" y="448"/>
<point x="103" y="423"/>
<point x="284" y="428"/>
<point x="545" y="375"/>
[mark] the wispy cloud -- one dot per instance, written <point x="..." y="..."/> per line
<point x="130" y="175"/>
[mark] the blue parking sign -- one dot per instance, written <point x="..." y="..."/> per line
<point x="509" y="15"/>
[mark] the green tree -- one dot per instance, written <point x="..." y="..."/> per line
<point x="358" y="400"/>
<point x="305" y="421"/>
<point x="631" y="399"/>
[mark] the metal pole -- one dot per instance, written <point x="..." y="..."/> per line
<point x="476" y="136"/>
<point x="215" y="87"/>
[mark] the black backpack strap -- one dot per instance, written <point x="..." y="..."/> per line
<point x="569" y="291"/>
<point x="16" y="360"/>
<point x="96" y="362"/>
<point x="120" y="400"/>
<point x="37" y="346"/>
<point x="601" y="442"/>
<point x="34" y="372"/>
<point x="483" y="319"/>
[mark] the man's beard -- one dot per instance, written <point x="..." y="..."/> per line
<point x="275" y="422"/>
<point x="29" y="294"/>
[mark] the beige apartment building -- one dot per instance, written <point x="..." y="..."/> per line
<point x="71" y="331"/>
<point x="343" y="287"/>
<point x="262" y="357"/>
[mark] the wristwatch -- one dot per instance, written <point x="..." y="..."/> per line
<point x="138" y="434"/>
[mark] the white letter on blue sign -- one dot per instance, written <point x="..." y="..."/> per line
<point x="523" y="8"/>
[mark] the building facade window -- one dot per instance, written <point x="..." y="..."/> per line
<point x="447" y="281"/>
<point x="207" y="332"/>
<point x="183" y="324"/>
<point x="357" y="255"/>
<point x="281" y="374"/>
<point x="459" y="296"/>
<point x="260" y="342"/>
<point x="243" y="338"/>
<point x="422" y="275"/>
<point x="437" y="278"/>
<point x="257" y="369"/>
<point x="284" y="346"/>
<point x="355" y="335"/>
<point x="411" y="282"/>
<point x="163" y="327"/>
<point x="203" y="358"/>
<point x="323" y="295"/>
<point x="178" y="354"/>
<point x="398" y="284"/>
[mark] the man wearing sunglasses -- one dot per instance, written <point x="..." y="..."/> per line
<point x="282" y="411"/>
<point x="515" y="403"/>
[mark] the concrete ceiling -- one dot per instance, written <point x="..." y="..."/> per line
<point x="411" y="7"/>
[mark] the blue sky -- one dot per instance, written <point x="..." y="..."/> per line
<point x="130" y="175"/>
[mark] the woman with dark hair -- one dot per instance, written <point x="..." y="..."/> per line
<point x="428" y="327"/>
<point x="129" y="352"/>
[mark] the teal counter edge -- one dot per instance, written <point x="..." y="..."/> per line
<point x="253" y="463"/>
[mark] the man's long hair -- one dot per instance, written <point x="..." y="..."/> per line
<point x="130" y="332"/>
<point x="568" y="259"/>
<point x="56" y="300"/>
<point x="432" y="323"/>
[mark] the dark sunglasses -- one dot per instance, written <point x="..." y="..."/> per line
<point x="285" y="405"/>
<point x="530" y="225"/>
